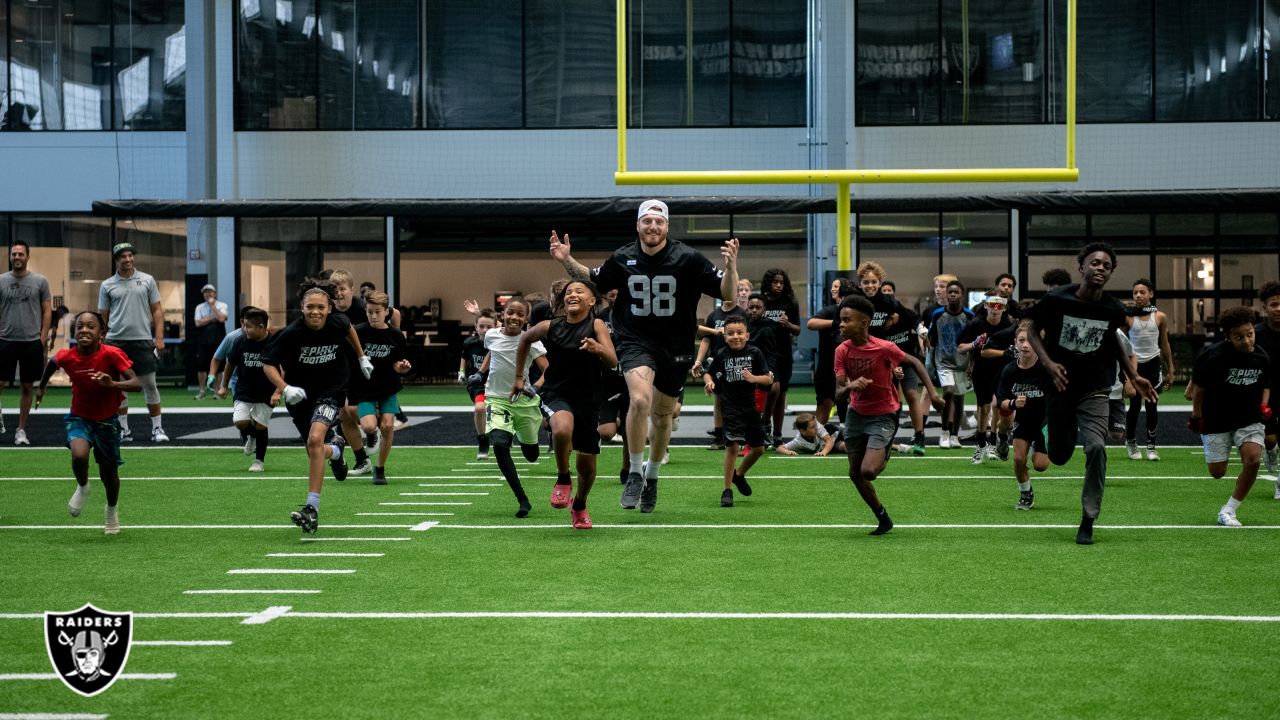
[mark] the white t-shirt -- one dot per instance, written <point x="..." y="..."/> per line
<point x="502" y="361"/>
<point x="799" y="445"/>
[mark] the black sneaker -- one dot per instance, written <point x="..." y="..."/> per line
<point x="649" y="496"/>
<point x="726" y="498"/>
<point x="307" y="518"/>
<point x="740" y="482"/>
<point x="379" y="476"/>
<point x="622" y="476"/>
<point x="631" y="491"/>
<point x="1026" y="500"/>
<point x="525" y="507"/>
<point x="885" y="524"/>
<point x="1002" y="448"/>
<point x="339" y="468"/>
<point x="1084" y="536"/>
<point x="716" y="445"/>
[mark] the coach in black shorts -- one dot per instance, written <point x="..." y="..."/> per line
<point x="25" y="318"/>
<point x="659" y="282"/>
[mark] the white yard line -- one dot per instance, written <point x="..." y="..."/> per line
<point x="181" y="643"/>
<point x="409" y="514"/>
<point x="267" y="615"/>
<point x="250" y="592"/>
<point x="853" y="526"/>
<point x="424" y="526"/>
<point x="198" y="527"/>
<point x="358" y="539"/>
<point x="123" y="676"/>
<point x="459" y="484"/>
<point x="52" y="716"/>
<point x="287" y="571"/>
<point x="587" y="615"/>
<point x="444" y="494"/>
<point x="422" y="503"/>
<point x="326" y="554"/>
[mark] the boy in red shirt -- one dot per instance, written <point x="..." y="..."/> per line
<point x="864" y="374"/>
<point x="95" y="399"/>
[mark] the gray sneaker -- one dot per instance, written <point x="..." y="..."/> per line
<point x="649" y="496"/>
<point x="1026" y="500"/>
<point x="631" y="491"/>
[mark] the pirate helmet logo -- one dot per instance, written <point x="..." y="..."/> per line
<point x="88" y="647"/>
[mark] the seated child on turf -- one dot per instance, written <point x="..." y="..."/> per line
<point x="811" y="438"/>
<point x="736" y="371"/>
<point x="376" y="398"/>
<point x="508" y="418"/>
<point x="1021" y="392"/>
<point x="93" y="369"/>
<point x="1230" y="404"/>
<point x="251" y="410"/>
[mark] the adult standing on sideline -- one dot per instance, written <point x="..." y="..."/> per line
<point x="25" y="314"/>
<point x="130" y="301"/>
<point x="659" y="283"/>
<point x="211" y="328"/>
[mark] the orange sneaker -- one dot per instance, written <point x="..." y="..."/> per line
<point x="581" y="520"/>
<point x="561" y="495"/>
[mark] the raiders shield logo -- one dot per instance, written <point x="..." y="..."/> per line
<point x="88" y="647"/>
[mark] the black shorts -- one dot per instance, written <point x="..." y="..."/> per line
<point x="782" y="375"/>
<point x="824" y="383"/>
<point x="586" y="439"/>
<point x="322" y="409"/>
<point x="1116" y="420"/>
<point x="1153" y="371"/>
<point x="984" y="389"/>
<point x="476" y="391"/>
<point x="1030" y="429"/>
<point x="743" y="428"/>
<point x="613" y="399"/>
<point x="670" y="370"/>
<point x="204" y="356"/>
<point x="143" y="355"/>
<point x="27" y="358"/>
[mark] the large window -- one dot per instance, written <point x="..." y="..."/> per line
<point x="348" y="64"/>
<point x="984" y="61"/>
<point x="94" y="65"/>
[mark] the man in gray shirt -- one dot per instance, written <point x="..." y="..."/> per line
<point x="25" y="313"/>
<point x="130" y="301"/>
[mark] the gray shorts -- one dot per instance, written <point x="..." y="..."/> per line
<point x="910" y="381"/>
<point x="1217" y="447"/>
<point x="863" y="432"/>
<point x="142" y="353"/>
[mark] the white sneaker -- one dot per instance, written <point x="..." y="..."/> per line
<point x="955" y="442"/>
<point x="76" y="503"/>
<point x="250" y="445"/>
<point x="1" y="423"/>
<point x="1270" y="458"/>
<point x="991" y="453"/>
<point x="945" y="440"/>
<point x="1152" y="455"/>
<point x="1134" y="453"/>
<point x="20" y="437"/>
<point x="1278" y="488"/>
<point x="481" y="455"/>
<point x="675" y="424"/>
<point x="1227" y="517"/>
<point x="399" y="424"/>
<point x="617" y="437"/>
<point x="901" y="448"/>
<point x="256" y="466"/>
<point x="111" y="526"/>
<point x="666" y="458"/>
<point x="970" y="421"/>
<point x="157" y="435"/>
<point x="125" y="435"/>
<point x="979" y="455"/>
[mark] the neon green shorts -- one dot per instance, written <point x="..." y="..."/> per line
<point x="520" y="418"/>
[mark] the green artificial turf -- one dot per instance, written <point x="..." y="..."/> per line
<point x="963" y="667"/>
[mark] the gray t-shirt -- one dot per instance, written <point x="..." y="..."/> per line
<point x="799" y="445"/>
<point x="128" y="303"/>
<point x="21" y="300"/>
<point x="502" y="361"/>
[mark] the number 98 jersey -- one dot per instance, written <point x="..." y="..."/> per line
<point x="658" y="294"/>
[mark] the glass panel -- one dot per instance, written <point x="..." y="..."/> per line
<point x="276" y="46"/>
<point x="1247" y="272"/>
<point x="1122" y="232"/>
<point x="35" y="98"/>
<point x="1113" y="68"/>
<point x="386" y="64"/>
<point x="1056" y="226"/>
<point x="670" y="86"/>
<point x="161" y="251"/>
<point x="994" y="62"/>
<point x="275" y="255"/>
<point x="1206" y="61"/>
<point x="898" y="65"/>
<point x="1188" y="233"/>
<point x="975" y="248"/>
<point x="357" y="245"/>
<point x="907" y="246"/>
<point x="4" y="67"/>
<point x="84" y="54"/>
<point x="335" y="53"/>
<point x="473" y="64"/>
<point x="711" y="229"/>
<point x="769" y="52"/>
<point x="1271" y="58"/>
<point x="569" y="63"/>
<point x="1249" y="231"/>
<point x="1038" y="265"/>
<point x="150" y="65"/>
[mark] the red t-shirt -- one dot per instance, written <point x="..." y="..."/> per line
<point x="90" y="400"/>
<point x="875" y="360"/>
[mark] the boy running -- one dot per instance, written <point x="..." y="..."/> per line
<point x="508" y="416"/>
<point x="578" y="351"/>
<point x="864" y="373"/>
<point x="375" y="398"/>
<point x="736" y="371"/>
<point x="986" y="369"/>
<point x="1267" y="337"/>
<point x="945" y="326"/>
<point x="1021" y="392"/>
<point x="1230" y="404"/>
<point x="92" y="423"/>
<point x="251" y="411"/>
<point x="472" y="358"/>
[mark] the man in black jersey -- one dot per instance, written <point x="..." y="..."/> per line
<point x="1080" y="351"/>
<point x="1267" y="337"/>
<point x="659" y="282"/>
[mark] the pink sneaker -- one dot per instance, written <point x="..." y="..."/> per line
<point x="561" y="495"/>
<point x="581" y="520"/>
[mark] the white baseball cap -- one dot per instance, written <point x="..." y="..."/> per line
<point x="653" y="207"/>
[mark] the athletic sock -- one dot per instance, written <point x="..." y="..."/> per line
<point x="1232" y="504"/>
<point x="482" y="442"/>
<point x="564" y="479"/>
<point x="982" y="439"/>
<point x="579" y="504"/>
<point x="651" y="470"/>
<point x="155" y="422"/>
<point x="885" y="524"/>
<point x="1003" y="437"/>
<point x="918" y="438"/>
<point x="1024" y="486"/>
<point x="637" y="459"/>
<point x="260" y="449"/>
<point x="313" y="499"/>
<point x="335" y="452"/>
<point x="361" y="455"/>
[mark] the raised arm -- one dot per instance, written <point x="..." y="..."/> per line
<point x="729" y="283"/>
<point x="560" y="253"/>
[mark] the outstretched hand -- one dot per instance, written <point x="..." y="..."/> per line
<point x="729" y="251"/>
<point x="559" y="248"/>
<point x="471" y="306"/>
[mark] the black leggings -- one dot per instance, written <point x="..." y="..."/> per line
<point x="1151" y="371"/>
<point x="501" y="442"/>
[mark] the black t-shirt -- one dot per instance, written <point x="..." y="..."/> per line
<point x="762" y="335"/>
<point x="384" y="348"/>
<point x="573" y="373"/>
<point x="314" y="360"/>
<point x="715" y="321"/>
<point x="252" y="385"/>
<point x="903" y="332"/>
<point x="657" y="305"/>
<point x="737" y="395"/>
<point x="1033" y="382"/>
<point x="984" y="369"/>
<point x="356" y="313"/>
<point x="1269" y="341"/>
<point x="1232" y="383"/>
<point x="1081" y="336"/>
<point x="539" y="312"/>
<point x="885" y="306"/>
<point x="473" y="353"/>
<point x="782" y="339"/>
<point x="828" y="340"/>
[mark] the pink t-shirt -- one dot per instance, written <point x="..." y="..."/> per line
<point x="876" y="360"/>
